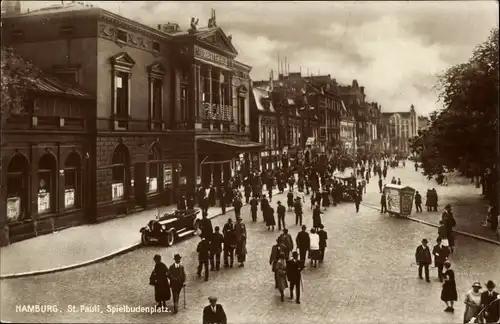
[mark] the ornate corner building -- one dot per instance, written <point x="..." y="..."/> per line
<point x="131" y="117"/>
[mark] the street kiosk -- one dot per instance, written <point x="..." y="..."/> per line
<point x="399" y="199"/>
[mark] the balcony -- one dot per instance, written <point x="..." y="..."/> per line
<point x="216" y="112"/>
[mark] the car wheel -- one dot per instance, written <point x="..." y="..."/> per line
<point x="144" y="239"/>
<point x="170" y="238"/>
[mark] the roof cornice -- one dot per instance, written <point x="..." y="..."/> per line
<point x="132" y="24"/>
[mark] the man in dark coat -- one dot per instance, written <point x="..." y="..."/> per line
<point x="240" y="233"/>
<point x="298" y="211"/>
<point x="383" y="203"/>
<point x="380" y="185"/>
<point x="214" y="313"/>
<point x="276" y="250"/>
<point x="418" y="202"/>
<point x="203" y="250"/>
<point x="248" y="192"/>
<point x="216" y="241"/>
<point x="441" y="254"/>
<point x="289" y="199"/>
<point x="294" y="268"/>
<point x="229" y="243"/>
<point x="286" y="239"/>
<point x="281" y="211"/>
<point x="323" y="237"/>
<point x="223" y="200"/>
<point x="159" y="279"/>
<point x="357" y="201"/>
<point x="423" y="258"/>
<point x="492" y="313"/>
<point x="303" y="242"/>
<point x="177" y="280"/>
<point x="237" y="207"/>
<point x="254" y="203"/>
<point x="206" y="227"/>
<point x="264" y="205"/>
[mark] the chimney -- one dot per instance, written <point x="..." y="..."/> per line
<point x="362" y="90"/>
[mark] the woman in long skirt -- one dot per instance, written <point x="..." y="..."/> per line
<point x="270" y="221"/>
<point x="281" y="281"/>
<point x="449" y="292"/>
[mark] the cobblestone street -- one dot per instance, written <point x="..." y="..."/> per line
<point x="368" y="277"/>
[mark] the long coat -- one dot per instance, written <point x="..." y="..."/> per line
<point x="316" y="217"/>
<point x="159" y="279"/>
<point x="269" y="217"/>
<point x="281" y="278"/>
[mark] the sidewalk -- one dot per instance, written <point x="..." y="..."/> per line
<point x="468" y="206"/>
<point x="79" y="246"/>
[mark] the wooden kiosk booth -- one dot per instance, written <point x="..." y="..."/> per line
<point x="399" y="199"/>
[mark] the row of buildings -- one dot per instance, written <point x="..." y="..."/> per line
<point x="127" y="116"/>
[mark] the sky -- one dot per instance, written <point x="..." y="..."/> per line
<point x="394" y="49"/>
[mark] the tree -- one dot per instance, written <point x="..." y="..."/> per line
<point x="463" y="136"/>
<point x="18" y="78"/>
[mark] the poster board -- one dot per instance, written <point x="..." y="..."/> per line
<point x="399" y="199"/>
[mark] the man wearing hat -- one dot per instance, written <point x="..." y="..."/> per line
<point x="423" y="259"/>
<point x="214" y="313"/>
<point x="159" y="279"/>
<point x="281" y="211"/>
<point x="441" y="254"/>
<point x="229" y="243"/>
<point x="294" y="268"/>
<point x="303" y="242"/>
<point x="240" y="232"/>
<point x="298" y="211"/>
<point x="492" y="313"/>
<point x="449" y="222"/>
<point x="203" y="250"/>
<point x="177" y="280"/>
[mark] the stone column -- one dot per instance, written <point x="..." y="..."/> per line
<point x="195" y="86"/>
<point x="200" y="93"/>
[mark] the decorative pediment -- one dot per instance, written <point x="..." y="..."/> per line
<point x="122" y="59"/>
<point x="156" y="69"/>
<point x="218" y="39"/>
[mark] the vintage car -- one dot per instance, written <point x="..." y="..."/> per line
<point x="170" y="227"/>
<point x="348" y="187"/>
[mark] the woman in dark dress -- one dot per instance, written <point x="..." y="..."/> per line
<point x="449" y="293"/>
<point x="270" y="221"/>
<point x="159" y="279"/>
<point x="317" y="217"/>
<point x="326" y="199"/>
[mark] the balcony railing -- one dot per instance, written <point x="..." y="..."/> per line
<point x="217" y="112"/>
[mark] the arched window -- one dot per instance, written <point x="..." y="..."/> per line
<point x="120" y="165"/>
<point x="154" y="169"/>
<point x="17" y="187"/>
<point x="46" y="183"/>
<point x="72" y="181"/>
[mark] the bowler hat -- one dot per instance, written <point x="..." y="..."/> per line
<point x="448" y="206"/>
<point x="177" y="257"/>
<point x="212" y="298"/>
<point x="157" y="257"/>
<point x="476" y="284"/>
<point x="490" y="284"/>
<point x="279" y="202"/>
<point x="425" y="241"/>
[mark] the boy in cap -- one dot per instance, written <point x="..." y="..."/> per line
<point x="423" y="258"/>
<point x="214" y="313"/>
<point x="177" y="280"/>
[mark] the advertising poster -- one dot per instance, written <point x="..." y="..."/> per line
<point x="393" y="204"/>
<point x="406" y="203"/>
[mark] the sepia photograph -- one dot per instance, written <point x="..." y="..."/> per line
<point x="240" y="162"/>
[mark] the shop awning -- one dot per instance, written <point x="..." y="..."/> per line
<point x="232" y="144"/>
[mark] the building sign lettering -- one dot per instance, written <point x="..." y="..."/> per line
<point x="210" y="56"/>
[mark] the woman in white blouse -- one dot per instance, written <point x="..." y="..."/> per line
<point x="314" y="253"/>
<point x="472" y="302"/>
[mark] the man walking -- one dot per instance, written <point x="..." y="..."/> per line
<point x="206" y="227"/>
<point x="240" y="233"/>
<point x="254" y="203"/>
<point x="383" y="204"/>
<point x="281" y="211"/>
<point x="294" y="268"/>
<point x="441" y="254"/>
<point x="418" y="202"/>
<point x="214" y="313"/>
<point x="423" y="259"/>
<point x="303" y="242"/>
<point x="298" y="211"/>
<point x="357" y="200"/>
<point x="380" y="185"/>
<point x="286" y="240"/>
<point x="177" y="280"/>
<point x="323" y="237"/>
<point x="203" y="250"/>
<point x="229" y="243"/>
<point x="492" y="313"/>
<point x="216" y="249"/>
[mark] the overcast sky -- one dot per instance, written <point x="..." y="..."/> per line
<point x="394" y="49"/>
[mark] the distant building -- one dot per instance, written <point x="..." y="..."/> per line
<point x="399" y="127"/>
<point x="423" y="122"/>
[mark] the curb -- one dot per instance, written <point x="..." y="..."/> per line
<point x="477" y="237"/>
<point x="90" y="262"/>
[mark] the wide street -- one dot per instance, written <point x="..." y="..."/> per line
<point x="368" y="276"/>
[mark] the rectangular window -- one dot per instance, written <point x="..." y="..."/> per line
<point x="157" y="102"/>
<point x="122" y="36"/>
<point x="122" y="94"/>
<point x="156" y="46"/>
<point x="167" y="175"/>
<point x="263" y="134"/>
<point x="117" y="191"/>
<point x="241" y="110"/>
<point x="275" y="142"/>
<point x="183" y="103"/>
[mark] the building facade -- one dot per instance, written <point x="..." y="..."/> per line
<point x="348" y="132"/>
<point x="399" y="128"/>
<point x="170" y="108"/>
<point x="354" y="98"/>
